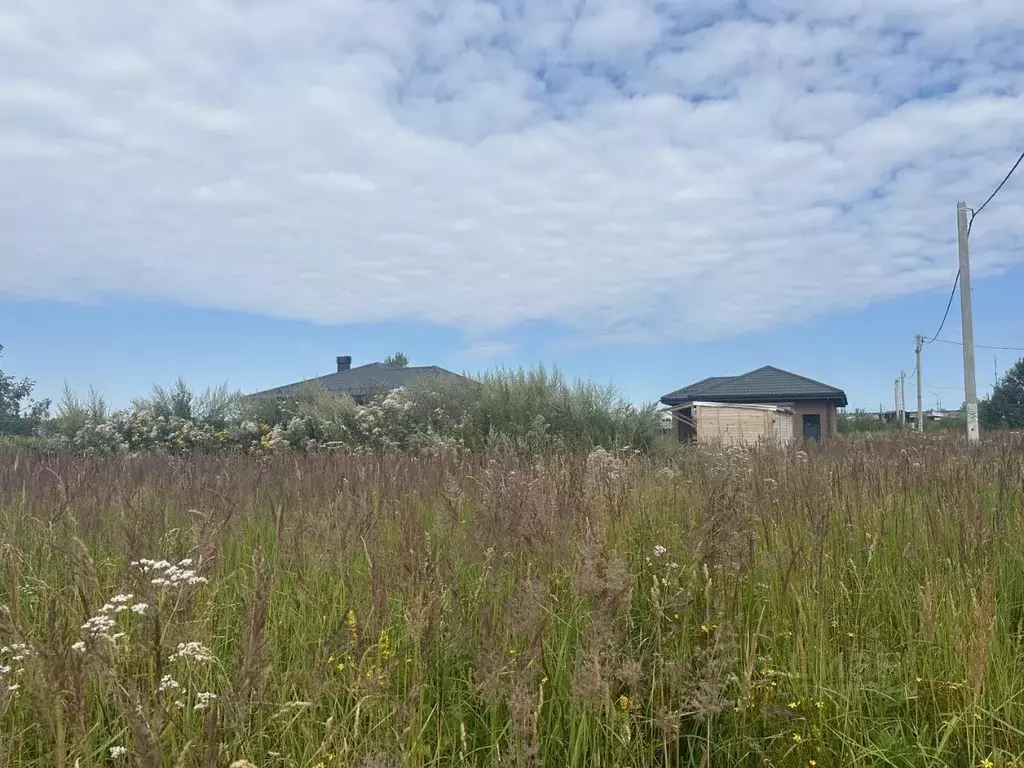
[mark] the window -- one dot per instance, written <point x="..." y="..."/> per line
<point x="812" y="426"/>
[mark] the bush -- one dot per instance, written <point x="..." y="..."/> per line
<point x="505" y="411"/>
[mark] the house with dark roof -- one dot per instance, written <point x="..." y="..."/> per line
<point x="813" y="404"/>
<point x="361" y="383"/>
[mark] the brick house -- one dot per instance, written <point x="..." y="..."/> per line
<point x="813" y="404"/>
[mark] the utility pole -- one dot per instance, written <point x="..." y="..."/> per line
<point x="967" y="323"/>
<point x="903" y="399"/>
<point x="896" y="402"/>
<point x="918" y="343"/>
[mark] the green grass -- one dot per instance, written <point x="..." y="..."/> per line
<point x="859" y="606"/>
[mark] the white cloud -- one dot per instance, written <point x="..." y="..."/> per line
<point x="632" y="169"/>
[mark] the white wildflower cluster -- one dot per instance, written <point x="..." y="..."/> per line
<point x="164" y="573"/>
<point x="12" y="658"/>
<point x="116" y="752"/>
<point x="168" y="683"/>
<point x="104" y="625"/>
<point x="602" y="467"/>
<point x="659" y="551"/>
<point x="203" y="700"/>
<point x="385" y="423"/>
<point x="194" y="651"/>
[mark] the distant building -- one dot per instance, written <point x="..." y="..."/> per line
<point x="811" y="405"/>
<point x="361" y="383"/>
<point x="909" y="416"/>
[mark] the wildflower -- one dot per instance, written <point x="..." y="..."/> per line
<point x="168" y="683"/>
<point x="812" y="763"/>
<point x="819" y="704"/>
<point x="385" y="646"/>
<point x="793" y="705"/>
<point x="13" y="688"/>
<point x="350" y="619"/>
<point x="116" y="752"/>
<point x="140" y="609"/>
<point x="203" y="700"/>
<point x="986" y="763"/>
<point x="797" y="738"/>
<point x="167" y="574"/>
<point x="79" y="646"/>
<point x="117" y="599"/>
<point x="193" y="650"/>
<point x="659" y="550"/>
<point x="624" y="703"/>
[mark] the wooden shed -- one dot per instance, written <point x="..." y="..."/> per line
<point x="813" y="404"/>
<point x="734" y="423"/>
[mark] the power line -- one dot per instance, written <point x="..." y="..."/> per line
<point x="945" y="314"/>
<point x="980" y="346"/>
<point x="1001" y="185"/>
<point x="970" y="224"/>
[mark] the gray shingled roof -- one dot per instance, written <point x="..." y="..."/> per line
<point x="362" y="381"/>
<point x="764" y="385"/>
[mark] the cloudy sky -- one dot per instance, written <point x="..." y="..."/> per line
<point x="647" y="192"/>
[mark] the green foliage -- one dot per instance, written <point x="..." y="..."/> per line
<point x="398" y="360"/>
<point x="212" y="406"/>
<point x="533" y="410"/>
<point x="19" y="413"/>
<point x="1004" y="408"/>
<point x="74" y="413"/>
<point x="862" y="421"/>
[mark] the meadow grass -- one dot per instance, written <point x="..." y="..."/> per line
<point x="860" y="604"/>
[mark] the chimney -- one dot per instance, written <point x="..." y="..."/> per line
<point x="344" y="363"/>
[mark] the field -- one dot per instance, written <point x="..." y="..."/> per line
<point x="861" y="604"/>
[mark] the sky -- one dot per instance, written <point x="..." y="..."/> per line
<point x="643" y="193"/>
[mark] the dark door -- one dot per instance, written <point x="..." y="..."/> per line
<point x="812" y="426"/>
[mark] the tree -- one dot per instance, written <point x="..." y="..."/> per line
<point x="1004" y="408"/>
<point x="399" y="360"/>
<point x="19" y="414"/>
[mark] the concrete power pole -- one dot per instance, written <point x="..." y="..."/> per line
<point x="967" y="322"/>
<point x="918" y="343"/>
<point x="896" y="402"/>
<point x="903" y="399"/>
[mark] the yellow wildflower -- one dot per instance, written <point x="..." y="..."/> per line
<point x="986" y="763"/>
<point x="797" y="738"/>
<point x="385" y="646"/>
<point x="353" y="627"/>
<point x="624" y="703"/>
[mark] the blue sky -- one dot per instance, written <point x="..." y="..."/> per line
<point x="641" y="192"/>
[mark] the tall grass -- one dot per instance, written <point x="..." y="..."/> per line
<point x="859" y="605"/>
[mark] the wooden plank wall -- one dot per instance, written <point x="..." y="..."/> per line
<point x="742" y="426"/>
